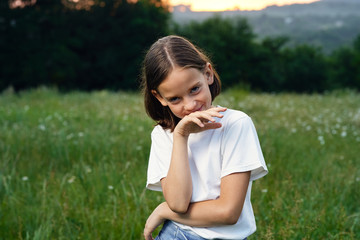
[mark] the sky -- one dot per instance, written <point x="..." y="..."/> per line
<point x="221" y="5"/>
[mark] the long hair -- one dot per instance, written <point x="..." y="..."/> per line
<point x="162" y="57"/>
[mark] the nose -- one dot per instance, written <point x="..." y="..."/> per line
<point x="190" y="105"/>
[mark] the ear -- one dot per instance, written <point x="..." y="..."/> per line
<point x="159" y="98"/>
<point x="209" y="74"/>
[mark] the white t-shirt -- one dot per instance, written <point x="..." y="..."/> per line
<point x="214" y="154"/>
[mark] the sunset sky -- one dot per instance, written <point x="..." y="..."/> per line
<point x="220" y="5"/>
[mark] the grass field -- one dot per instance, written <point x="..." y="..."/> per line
<point x="73" y="166"/>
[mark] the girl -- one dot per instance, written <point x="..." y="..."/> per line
<point x="203" y="158"/>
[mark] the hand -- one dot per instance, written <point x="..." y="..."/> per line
<point x="199" y="121"/>
<point x="154" y="220"/>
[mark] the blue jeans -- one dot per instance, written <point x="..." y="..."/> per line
<point x="170" y="231"/>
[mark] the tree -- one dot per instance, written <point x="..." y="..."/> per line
<point x="268" y="66"/>
<point x="305" y="69"/>
<point x="229" y="42"/>
<point x="71" y="47"/>
<point x="345" y="62"/>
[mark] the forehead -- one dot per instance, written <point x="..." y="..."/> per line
<point x="180" y="80"/>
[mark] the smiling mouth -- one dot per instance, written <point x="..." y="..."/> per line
<point x="199" y="109"/>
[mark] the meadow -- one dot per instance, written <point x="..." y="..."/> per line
<point x="73" y="166"/>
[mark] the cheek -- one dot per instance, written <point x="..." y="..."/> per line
<point x="176" y="110"/>
<point x="207" y="95"/>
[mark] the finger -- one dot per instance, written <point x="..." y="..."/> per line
<point x="220" y="109"/>
<point x="193" y="119"/>
<point x="204" y="116"/>
<point x="197" y="121"/>
<point x="212" y="115"/>
<point x="216" y="111"/>
<point x="212" y="125"/>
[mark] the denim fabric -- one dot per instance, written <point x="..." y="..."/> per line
<point x="170" y="231"/>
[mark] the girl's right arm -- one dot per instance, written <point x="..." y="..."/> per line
<point x="224" y="210"/>
<point x="177" y="186"/>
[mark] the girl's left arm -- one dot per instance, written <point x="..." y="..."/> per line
<point x="224" y="210"/>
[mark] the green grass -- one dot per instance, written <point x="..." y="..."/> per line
<point x="73" y="166"/>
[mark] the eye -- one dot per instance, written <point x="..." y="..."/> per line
<point x="173" y="99"/>
<point x="195" y="89"/>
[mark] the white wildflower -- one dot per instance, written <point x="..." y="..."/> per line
<point x="127" y="165"/>
<point x="71" y="179"/>
<point x="70" y="136"/>
<point x="25" y="178"/>
<point x="264" y="190"/>
<point x="88" y="169"/>
<point x="48" y="118"/>
<point x="343" y="134"/>
<point x="110" y="187"/>
<point x="42" y="127"/>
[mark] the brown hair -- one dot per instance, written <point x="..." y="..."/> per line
<point x="163" y="56"/>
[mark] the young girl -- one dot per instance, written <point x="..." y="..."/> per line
<point x="203" y="157"/>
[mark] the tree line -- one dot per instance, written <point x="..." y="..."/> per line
<point x="268" y="65"/>
<point x="77" y="46"/>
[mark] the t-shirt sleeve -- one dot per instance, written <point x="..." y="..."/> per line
<point x="241" y="149"/>
<point x="159" y="159"/>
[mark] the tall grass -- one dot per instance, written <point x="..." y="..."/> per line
<point x="73" y="166"/>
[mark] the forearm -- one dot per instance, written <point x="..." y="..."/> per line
<point x="224" y="210"/>
<point x="177" y="186"/>
<point x="202" y="214"/>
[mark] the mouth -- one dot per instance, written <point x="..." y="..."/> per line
<point x="199" y="109"/>
<point x="196" y="110"/>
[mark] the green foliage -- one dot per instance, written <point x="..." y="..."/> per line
<point x="305" y="70"/>
<point x="345" y="62"/>
<point x="229" y="44"/>
<point x="101" y="46"/>
<point x="269" y="65"/>
<point x="73" y="166"/>
<point x="267" y="72"/>
<point x="91" y="48"/>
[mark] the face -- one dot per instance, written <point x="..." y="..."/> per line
<point x="186" y="90"/>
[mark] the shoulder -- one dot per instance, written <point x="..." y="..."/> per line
<point x="236" y="122"/>
<point x="232" y="116"/>
<point x="160" y="132"/>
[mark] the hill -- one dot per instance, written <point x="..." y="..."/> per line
<point x="329" y="24"/>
